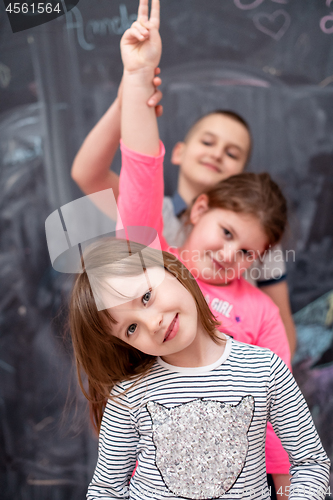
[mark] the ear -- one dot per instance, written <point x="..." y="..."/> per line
<point x="177" y="152"/>
<point x="199" y="208"/>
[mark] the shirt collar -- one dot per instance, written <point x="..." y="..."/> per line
<point x="179" y="205"/>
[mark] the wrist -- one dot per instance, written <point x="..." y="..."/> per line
<point x="140" y="75"/>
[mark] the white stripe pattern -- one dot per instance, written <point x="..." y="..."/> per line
<point x="126" y="432"/>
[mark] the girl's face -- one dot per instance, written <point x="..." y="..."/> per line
<point x="162" y="321"/>
<point x="222" y="244"/>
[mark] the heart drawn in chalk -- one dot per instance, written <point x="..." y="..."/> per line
<point x="274" y="25"/>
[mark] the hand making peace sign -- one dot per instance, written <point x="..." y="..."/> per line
<point x="141" y="45"/>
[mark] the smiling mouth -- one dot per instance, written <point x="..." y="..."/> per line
<point x="217" y="264"/>
<point x="212" y="167"/>
<point x="172" y="330"/>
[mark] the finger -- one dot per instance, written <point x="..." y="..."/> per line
<point x="155" y="13"/>
<point x="159" y="110"/>
<point x="157" y="81"/>
<point x="157" y="71"/>
<point x="142" y="29"/>
<point x="155" y="98"/>
<point x="143" y="11"/>
<point x="136" y="33"/>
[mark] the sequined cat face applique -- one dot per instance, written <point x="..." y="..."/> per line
<point x="201" y="446"/>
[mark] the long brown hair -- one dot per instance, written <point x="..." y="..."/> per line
<point x="254" y="194"/>
<point x="105" y="359"/>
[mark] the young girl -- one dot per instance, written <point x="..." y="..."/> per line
<point x="232" y="222"/>
<point x="187" y="403"/>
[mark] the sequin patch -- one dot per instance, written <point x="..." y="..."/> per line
<point x="201" y="446"/>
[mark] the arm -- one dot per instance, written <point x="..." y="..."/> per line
<point x="292" y="422"/>
<point x="279" y="293"/>
<point x="272" y="335"/>
<point x="118" y="441"/>
<point x="141" y="181"/>
<point x="91" y="166"/>
<point x="271" y="331"/>
<point x="272" y="281"/>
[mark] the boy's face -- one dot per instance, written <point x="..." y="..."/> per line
<point x="217" y="148"/>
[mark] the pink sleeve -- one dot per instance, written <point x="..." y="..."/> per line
<point x="141" y="190"/>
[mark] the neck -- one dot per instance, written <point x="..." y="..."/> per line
<point x="187" y="190"/>
<point x="202" y="352"/>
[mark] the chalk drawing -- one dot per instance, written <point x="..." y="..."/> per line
<point x="326" y="24"/>
<point x="274" y="25"/>
<point x="116" y="25"/>
<point x="248" y="6"/>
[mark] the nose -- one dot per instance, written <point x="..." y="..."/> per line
<point x="153" y="320"/>
<point x="228" y="254"/>
<point x="217" y="152"/>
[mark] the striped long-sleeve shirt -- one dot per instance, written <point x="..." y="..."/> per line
<point x="200" y="432"/>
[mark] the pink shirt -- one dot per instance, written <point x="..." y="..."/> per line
<point x="245" y="313"/>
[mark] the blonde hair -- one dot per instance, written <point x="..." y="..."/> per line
<point x="105" y="359"/>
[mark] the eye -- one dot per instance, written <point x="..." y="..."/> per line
<point x="207" y="143"/>
<point x="232" y="155"/>
<point x="146" y="297"/>
<point x="227" y="233"/>
<point x="131" y="329"/>
<point x="247" y="252"/>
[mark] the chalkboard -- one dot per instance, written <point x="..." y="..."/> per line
<point x="269" y="60"/>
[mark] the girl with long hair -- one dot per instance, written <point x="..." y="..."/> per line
<point x="171" y="393"/>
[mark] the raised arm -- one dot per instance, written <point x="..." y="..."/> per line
<point x="91" y="166"/>
<point x="141" y="51"/>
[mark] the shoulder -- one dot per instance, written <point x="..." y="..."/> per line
<point x="168" y="208"/>
<point x="247" y="360"/>
<point x="254" y="293"/>
<point x="256" y="358"/>
<point x="129" y="390"/>
<point x="250" y="351"/>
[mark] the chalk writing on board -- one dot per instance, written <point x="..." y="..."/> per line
<point x="116" y="25"/>
<point x="326" y="24"/>
<point x="274" y="25"/>
<point x="248" y="6"/>
<point x="328" y="3"/>
<point x="74" y="20"/>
